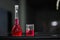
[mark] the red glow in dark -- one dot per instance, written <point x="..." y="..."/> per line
<point x="16" y="30"/>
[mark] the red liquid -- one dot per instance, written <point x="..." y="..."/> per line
<point x="16" y="30"/>
<point x="30" y="33"/>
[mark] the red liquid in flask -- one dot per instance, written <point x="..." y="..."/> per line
<point x="16" y="30"/>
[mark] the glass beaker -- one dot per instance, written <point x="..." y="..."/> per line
<point x="29" y="29"/>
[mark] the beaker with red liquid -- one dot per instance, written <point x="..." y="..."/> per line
<point x="29" y="29"/>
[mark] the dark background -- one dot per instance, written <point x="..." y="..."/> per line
<point x="41" y="13"/>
